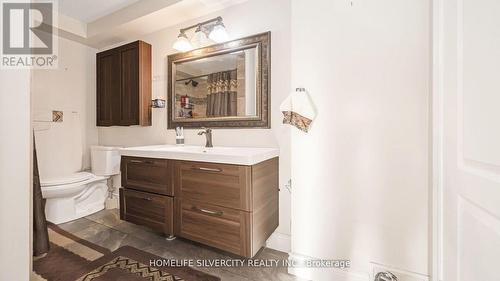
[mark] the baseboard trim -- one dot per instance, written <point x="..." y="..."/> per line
<point x="323" y="274"/>
<point x="280" y="242"/>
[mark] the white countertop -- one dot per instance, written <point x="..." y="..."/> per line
<point x="220" y="154"/>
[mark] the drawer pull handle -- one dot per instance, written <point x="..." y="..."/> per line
<point x="147" y="198"/>
<point x="208" y="169"/>
<point x="214" y="213"/>
<point x="140" y="161"/>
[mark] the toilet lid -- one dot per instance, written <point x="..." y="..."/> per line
<point x="74" y="178"/>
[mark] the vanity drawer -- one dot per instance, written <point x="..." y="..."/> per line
<point x="146" y="174"/>
<point x="215" y="226"/>
<point x="152" y="210"/>
<point x="218" y="184"/>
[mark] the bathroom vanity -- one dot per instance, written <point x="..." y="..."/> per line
<point x="223" y="197"/>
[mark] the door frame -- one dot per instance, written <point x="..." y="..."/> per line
<point x="436" y="128"/>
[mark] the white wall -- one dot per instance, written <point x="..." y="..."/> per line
<point x="242" y="20"/>
<point x="15" y="175"/>
<point x="64" y="148"/>
<point x="360" y="177"/>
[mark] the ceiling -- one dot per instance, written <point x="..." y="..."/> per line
<point x="102" y="23"/>
<point x="90" y="10"/>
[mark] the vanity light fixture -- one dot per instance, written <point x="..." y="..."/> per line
<point x="205" y="32"/>
<point x="219" y="33"/>
<point x="182" y="43"/>
<point x="200" y="39"/>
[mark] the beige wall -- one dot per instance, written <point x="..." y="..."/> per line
<point x="242" y="20"/>
<point x="64" y="148"/>
<point x="361" y="181"/>
<point x="15" y="175"/>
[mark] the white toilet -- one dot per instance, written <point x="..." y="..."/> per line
<point x="81" y="194"/>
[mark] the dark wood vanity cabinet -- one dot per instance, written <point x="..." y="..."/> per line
<point x="230" y="207"/>
<point x="124" y="85"/>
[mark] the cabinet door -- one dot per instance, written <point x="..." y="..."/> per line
<point x="108" y="88"/>
<point x="129" y="76"/>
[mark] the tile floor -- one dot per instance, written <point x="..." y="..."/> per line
<point x="106" y="229"/>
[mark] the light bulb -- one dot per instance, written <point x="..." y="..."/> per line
<point x="200" y="39"/>
<point x="219" y="33"/>
<point x="182" y="43"/>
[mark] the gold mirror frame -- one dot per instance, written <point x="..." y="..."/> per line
<point x="263" y="80"/>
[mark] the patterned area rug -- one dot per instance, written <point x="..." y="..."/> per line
<point x="73" y="259"/>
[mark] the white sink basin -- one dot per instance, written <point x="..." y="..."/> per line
<point x="226" y="155"/>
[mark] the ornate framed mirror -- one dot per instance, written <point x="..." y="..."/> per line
<point x="225" y="85"/>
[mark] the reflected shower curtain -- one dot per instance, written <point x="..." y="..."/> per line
<point x="222" y="94"/>
<point x="40" y="231"/>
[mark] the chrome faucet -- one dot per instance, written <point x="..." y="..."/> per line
<point x="208" y="134"/>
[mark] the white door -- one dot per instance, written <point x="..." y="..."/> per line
<point x="469" y="85"/>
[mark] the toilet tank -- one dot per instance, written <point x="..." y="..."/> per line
<point x="105" y="160"/>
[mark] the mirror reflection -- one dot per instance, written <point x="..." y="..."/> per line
<point x="218" y="86"/>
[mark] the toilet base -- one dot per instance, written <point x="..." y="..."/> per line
<point x="90" y="200"/>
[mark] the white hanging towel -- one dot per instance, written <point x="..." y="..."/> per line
<point x="298" y="110"/>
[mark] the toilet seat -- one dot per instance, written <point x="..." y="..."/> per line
<point x="71" y="185"/>
<point x="70" y="179"/>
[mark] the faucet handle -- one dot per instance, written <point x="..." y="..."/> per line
<point x="204" y="131"/>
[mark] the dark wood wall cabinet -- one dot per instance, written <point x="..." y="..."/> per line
<point x="124" y="85"/>
<point x="230" y="207"/>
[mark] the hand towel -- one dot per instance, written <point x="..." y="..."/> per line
<point x="298" y="110"/>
